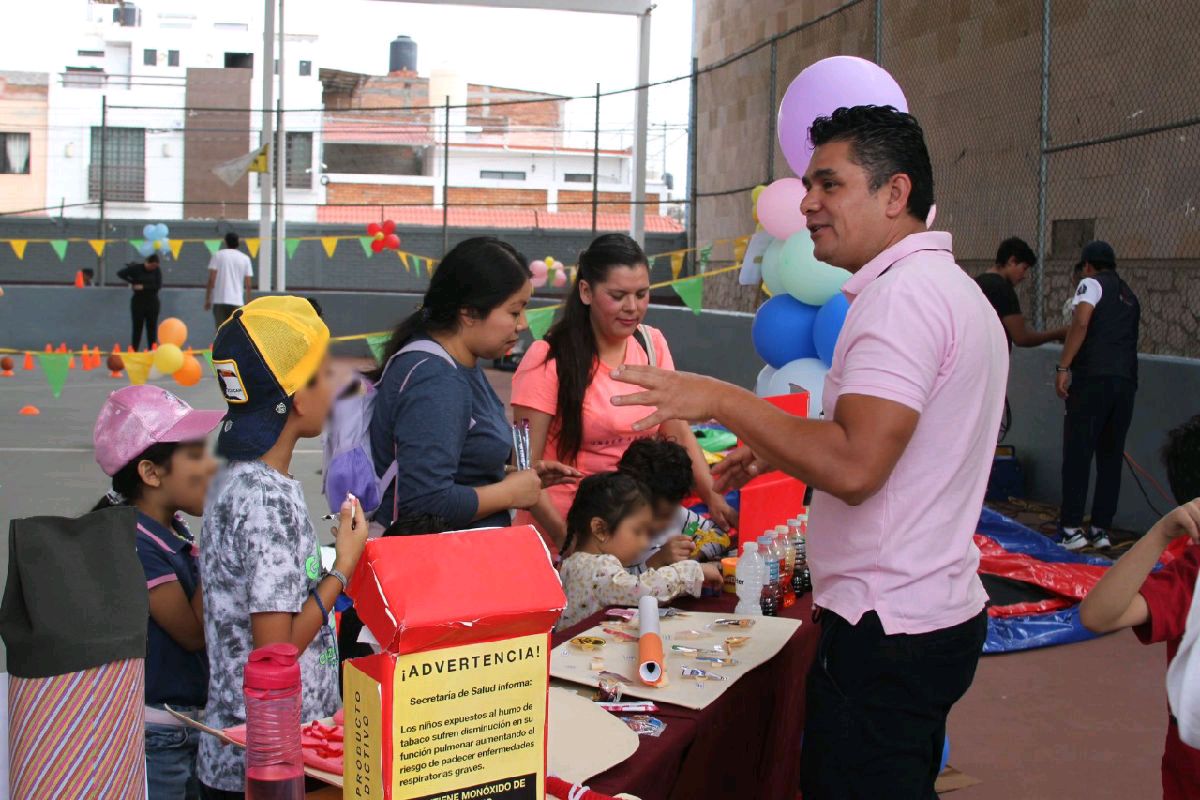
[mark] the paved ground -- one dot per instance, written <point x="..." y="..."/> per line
<point x="1085" y="720"/>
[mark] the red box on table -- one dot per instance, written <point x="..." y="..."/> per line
<point x="455" y="705"/>
<point x="774" y="498"/>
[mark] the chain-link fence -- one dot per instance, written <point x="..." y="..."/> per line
<point x="1058" y="121"/>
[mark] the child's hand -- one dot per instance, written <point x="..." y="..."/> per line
<point x="1182" y="521"/>
<point x="553" y="473"/>
<point x="524" y="488"/>
<point x="351" y="536"/>
<point x="676" y="549"/>
<point x="713" y="579"/>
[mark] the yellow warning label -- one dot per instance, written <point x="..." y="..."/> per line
<point x="469" y="723"/>
<point x="363" y="744"/>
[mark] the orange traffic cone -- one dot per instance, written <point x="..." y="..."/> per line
<point x="85" y="360"/>
<point x="62" y="347"/>
<point x="29" y="411"/>
<point x="49" y="347"/>
<point x="79" y="284"/>
<point x="132" y="349"/>
<point x="153" y="347"/>
<point x="28" y="360"/>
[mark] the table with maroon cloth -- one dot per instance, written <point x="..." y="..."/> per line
<point x="746" y="743"/>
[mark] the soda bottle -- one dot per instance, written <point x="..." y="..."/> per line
<point x="271" y="685"/>
<point x="796" y="542"/>
<point x="749" y="581"/>
<point x="787" y="565"/>
<point x="802" y="557"/>
<point x="771" y="593"/>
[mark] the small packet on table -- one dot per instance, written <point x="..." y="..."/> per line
<point x="643" y="725"/>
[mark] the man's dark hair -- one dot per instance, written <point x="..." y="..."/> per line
<point x="1181" y="456"/>
<point x="231" y="240"/>
<point x="663" y="466"/>
<point x="884" y="142"/>
<point x="416" y="525"/>
<point x="1014" y="247"/>
<point x="151" y="259"/>
<point x="1100" y="265"/>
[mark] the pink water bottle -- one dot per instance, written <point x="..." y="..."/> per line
<point x="274" y="764"/>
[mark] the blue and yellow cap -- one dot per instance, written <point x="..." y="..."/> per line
<point x="263" y="354"/>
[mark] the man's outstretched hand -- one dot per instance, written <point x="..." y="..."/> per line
<point x="737" y="469"/>
<point x="675" y="395"/>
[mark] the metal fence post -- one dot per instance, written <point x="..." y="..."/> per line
<point x="103" y="186"/>
<point x="692" y="155"/>
<point x="772" y="116"/>
<point x="596" y="164"/>
<point x="1039" y="271"/>
<point x="446" y="180"/>
<point x="879" y="32"/>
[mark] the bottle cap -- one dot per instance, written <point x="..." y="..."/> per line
<point x="275" y="666"/>
<point x="750" y="547"/>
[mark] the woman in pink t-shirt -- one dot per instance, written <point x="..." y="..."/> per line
<point x="564" y="388"/>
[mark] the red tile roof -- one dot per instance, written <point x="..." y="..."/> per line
<point x="502" y="218"/>
<point x="378" y="131"/>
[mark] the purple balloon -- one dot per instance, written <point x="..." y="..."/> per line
<point x="821" y="89"/>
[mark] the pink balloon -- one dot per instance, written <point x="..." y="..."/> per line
<point x="560" y="278"/>
<point x="779" y="208"/>
<point x="821" y="89"/>
<point x="539" y="270"/>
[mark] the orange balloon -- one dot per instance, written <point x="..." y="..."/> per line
<point x="190" y="373"/>
<point x="172" y="331"/>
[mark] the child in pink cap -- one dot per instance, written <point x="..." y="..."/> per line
<point x="152" y="445"/>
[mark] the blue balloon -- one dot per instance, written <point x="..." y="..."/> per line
<point x="828" y="325"/>
<point x="945" y="753"/>
<point x="161" y="231"/>
<point x="145" y="249"/>
<point x="148" y="231"/>
<point x="783" y="330"/>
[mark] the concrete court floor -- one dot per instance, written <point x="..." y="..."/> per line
<point x="1080" y="721"/>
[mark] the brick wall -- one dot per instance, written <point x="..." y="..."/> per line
<point x="466" y="194"/>
<point x="609" y="201"/>
<point x="376" y="193"/>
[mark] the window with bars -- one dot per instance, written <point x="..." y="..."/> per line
<point x="124" y="164"/>
<point x="14" y="153"/>
<point x="501" y="175"/>
<point x="299" y="160"/>
<point x="172" y="58"/>
<point x="150" y="58"/>
<point x="577" y="177"/>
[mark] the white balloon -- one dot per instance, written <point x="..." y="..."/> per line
<point x="751" y="272"/>
<point x="764" y="379"/>
<point x="808" y="374"/>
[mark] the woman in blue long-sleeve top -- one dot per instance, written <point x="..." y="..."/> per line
<point x="436" y="416"/>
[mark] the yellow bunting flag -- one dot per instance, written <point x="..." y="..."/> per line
<point x="97" y="245"/>
<point x="18" y="246"/>
<point x="176" y="246"/>
<point x="676" y="265"/>
<point x="330" y="244"/>
<point x="404" y="257"/>
<point x="252" y="246"/>
<point x="137" y="366"/>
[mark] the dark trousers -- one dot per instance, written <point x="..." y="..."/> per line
<point x="1099" y="411"/>
<point x="222" y="312"/>
<point x="143" y="307"/>
<point x="877" y="707"/>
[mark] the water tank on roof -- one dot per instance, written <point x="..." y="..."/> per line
<point x="403" y="56"/>
<point x="127" y="15"/>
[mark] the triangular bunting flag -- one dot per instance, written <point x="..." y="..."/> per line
<point x="539" y="320"/>
<point x="54" y="367"/>
<point x="252" y="247"/>
<point x="60" y="247"/>
<point x="378" y="344"/>
<point x="97" y="246"/>
<point x="213" y="245"/>
<point x="705" y="255"/>
<point x="18" y="246"/>
<point x="365" y="241"/>
<point x="291" y="245"/>
<point x="691" y="292"/>
<point x="208" y="357"/>
<point x="404" y="257"/>
<point x="676" y="265"/>
<point x="416" y="265"/>
<point x="137" y="366"/>
<point x="136" y="244"/>
<point x="330" y="244"/>
<point x="176" y="246"/>
<point x="739" y="248"/>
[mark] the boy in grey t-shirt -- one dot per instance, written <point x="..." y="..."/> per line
<point x="259" y="559"/>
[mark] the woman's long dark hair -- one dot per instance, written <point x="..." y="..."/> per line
<point x="476" y="276"/>
<point x="128" y="481"/>
<point x="572" y="341"/>
<point x="609" y="496"/>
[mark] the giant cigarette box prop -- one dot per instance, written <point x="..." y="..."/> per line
<point x="454" y="708"/>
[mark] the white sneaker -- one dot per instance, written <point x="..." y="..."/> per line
<point x="1073" y="539"/>
<point x="1099" y="538"/>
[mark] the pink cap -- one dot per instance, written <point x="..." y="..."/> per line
<point x="136" y="417"/>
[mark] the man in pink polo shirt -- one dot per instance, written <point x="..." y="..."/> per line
<point x="912" y="406"/>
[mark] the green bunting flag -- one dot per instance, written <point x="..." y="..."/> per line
<point x="55" y="368"/>
<point x="136" y="244"/>
<point x="291" y="245"/>
<point x="365" y="241"/>
<point x="378" y="344"/>
<point x="213" y="245"/>
<point x="60" y="247"/>
<point x="705" y="255"/>
<point x="691" y="292"/>
<point x="539" y="320"/>
<point x="208" y="357"/>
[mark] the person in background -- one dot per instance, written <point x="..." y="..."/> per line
<point x="152" y="445"/>
<point x="436" y="417"/>
<point x="900" y="462"/>
<point x="1068" y="309"/>
<point x="229" y="274"/>
<point x="89" y="277"/>
<point x="664" y="468"/>
<point x="145" y="279"/>
<point x="1156" y="603"/>
<point x="564" y="387"/>
<point x="260" y="563"/>
<point x="1014" y="259"/>
<point x="608" y="528"/>
<point x="1097" y="376"/>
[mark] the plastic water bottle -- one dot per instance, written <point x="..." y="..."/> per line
<point x="787" y="564"/>
<point x="271" y="684"/>
<point x="771" y="594"/>
<point x="749" y="581"/>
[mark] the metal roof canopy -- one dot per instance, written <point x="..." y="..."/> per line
<point x="638" y="8"/>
